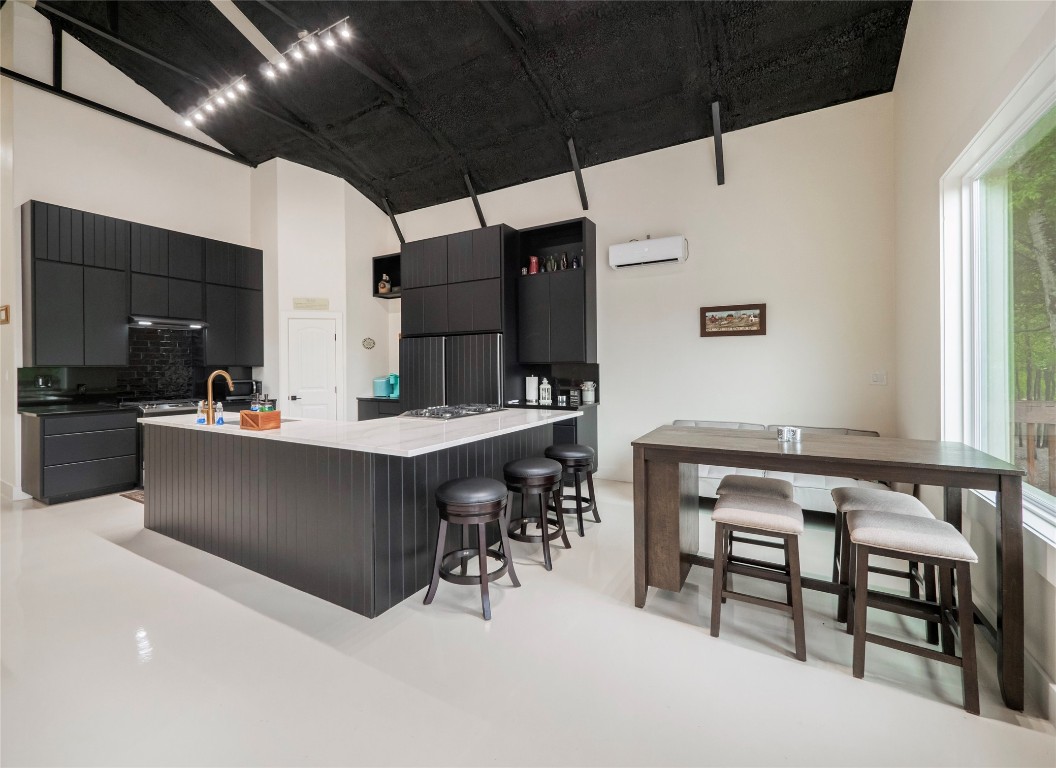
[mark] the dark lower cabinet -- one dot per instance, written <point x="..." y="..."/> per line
<point x="105" y="317"/>
<point x="57" y="333"/>
<point x="377" y="408"/>
<point x="583" y="430"/>
<point x="66" y="457"/>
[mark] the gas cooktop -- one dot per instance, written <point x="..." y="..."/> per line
<point x="155" y="406"/>
<point x="452" y="411"/>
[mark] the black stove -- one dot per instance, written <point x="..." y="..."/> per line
<point x="452" y="411"/>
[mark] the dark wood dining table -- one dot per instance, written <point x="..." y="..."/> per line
<point x="667" y="506"/>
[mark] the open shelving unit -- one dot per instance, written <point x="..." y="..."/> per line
<point x="387" y="265"/>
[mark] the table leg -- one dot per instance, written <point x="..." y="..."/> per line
<point x="641" y="516"/>
<point x="953" y="500"/>
<point x="1010" y="590"/>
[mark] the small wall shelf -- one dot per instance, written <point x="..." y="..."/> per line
<point x="386" y="265"/>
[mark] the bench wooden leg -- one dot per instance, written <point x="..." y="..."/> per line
<point x="861" y="602"/>
<point x="966" y="620"/>
<point x="718" y="577"/>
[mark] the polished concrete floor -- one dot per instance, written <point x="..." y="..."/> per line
<point x="123" y="647"/>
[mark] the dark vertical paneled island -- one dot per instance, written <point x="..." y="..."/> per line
<point x="340" y="510"/>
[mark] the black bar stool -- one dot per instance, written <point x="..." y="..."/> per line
<point x="579" y="461"/>
<point x="471" y="501"/>
<point x="536" y="477"/>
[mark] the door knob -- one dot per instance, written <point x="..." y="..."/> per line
<point x="294" y="397"/>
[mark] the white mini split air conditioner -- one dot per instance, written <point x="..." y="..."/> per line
<point x="637" y="253"/>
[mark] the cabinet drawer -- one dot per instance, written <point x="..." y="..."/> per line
<point x="389" y="409"/>
<point x="565" y="432"/>
<point x="96" y="422"/>
<point x="89" y="475"/>
<point x="88" y="446"/>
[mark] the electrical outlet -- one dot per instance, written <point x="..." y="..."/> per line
<point x="879" y="378"/>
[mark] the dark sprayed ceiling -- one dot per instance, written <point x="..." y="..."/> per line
<point x="496" y="91"/>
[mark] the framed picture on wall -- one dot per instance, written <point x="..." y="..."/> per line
<point x="733" y="320"/>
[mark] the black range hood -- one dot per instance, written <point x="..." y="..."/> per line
<point x="147" y="321"/>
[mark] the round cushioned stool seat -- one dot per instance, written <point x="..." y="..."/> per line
<point x="877" y="500"/>
<point x="533" y="467"/>
<point x="474" y="490"/>
<point x="749" y="485"/>
<point x="569" y="451"/>
<point x="759" y="512"/>
<point x="927" y="537"/>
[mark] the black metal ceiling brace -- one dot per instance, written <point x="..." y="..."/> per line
<point x="388" y="210"/>
<point x="579" y="174"/>
<point x="476" y="203"/>
<point x="720" y="171"/>
<point x="56" y="54"/>
<point x="20" y="78"/>
<point x="118" y="41"/>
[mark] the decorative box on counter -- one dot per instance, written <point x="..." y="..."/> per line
<point x="260" y="420"/>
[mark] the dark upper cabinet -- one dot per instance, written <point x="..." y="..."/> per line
<point x="474" y="307"/>
<point x="56" y="336"/>
<point x="568" y="316"/>
<point x="249" y="268"/>
<point x="236" y="265"/>
<point x="235" y="335"/>
<point x="185" y="256"/>
<point x="435" y="308"/>
<point x="459" y="257"/>
<point x="105" y="317"/>
<point x="533" y="319"/>
<point x="473" y="368"/>
<point x="220" y="262"/>
<point x="487" y="253"/>
<point x="424" y="263"/>
<point x="106" y="242"/>
<point x="149" y="295"/>
<point x="249" y="327"/>
<point x="149" y="249"/>
<point x="185" y="299"/>
<point x="220" y="343"/>
<point x="552" y="317"/>
<point x="412" y="312"/>
<point x="424" y="311"/>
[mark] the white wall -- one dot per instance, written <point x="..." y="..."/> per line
<point x="63" y="153"/>
<point x="805" y="223"/>
<point x="959" y="62"/>
<point x="367" y="234"/>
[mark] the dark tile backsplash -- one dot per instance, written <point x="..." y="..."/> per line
<point x="161" y="365"/>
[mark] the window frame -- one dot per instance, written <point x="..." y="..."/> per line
<point x="963" y="334"/>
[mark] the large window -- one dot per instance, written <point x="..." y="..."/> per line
<point x="999" y="267"/>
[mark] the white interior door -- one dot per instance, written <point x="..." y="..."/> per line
<point x="311" y="370"/>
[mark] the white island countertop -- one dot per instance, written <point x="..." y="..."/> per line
<point x="395" y="436"/>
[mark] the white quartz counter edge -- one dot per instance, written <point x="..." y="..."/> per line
<point x="395" y="436"/>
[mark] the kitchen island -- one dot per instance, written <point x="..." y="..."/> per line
<point x="341" y="510"/>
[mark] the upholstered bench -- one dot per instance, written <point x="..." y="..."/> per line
<point x="813" y="492"/>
